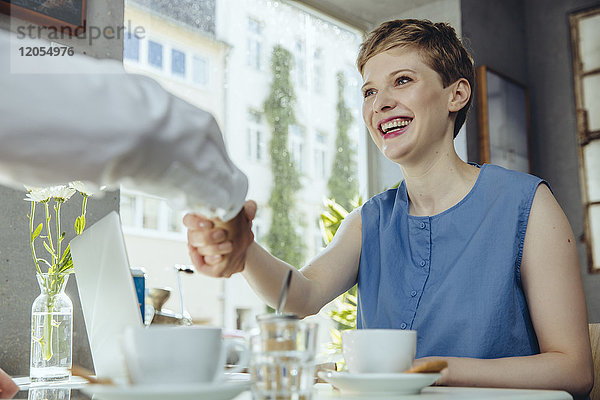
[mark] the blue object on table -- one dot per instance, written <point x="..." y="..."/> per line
<point x="139" y="280"/>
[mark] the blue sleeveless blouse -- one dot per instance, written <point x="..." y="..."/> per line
<point x="453" y="277"/>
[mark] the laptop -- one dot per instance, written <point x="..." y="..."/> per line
<point x="107" y="292"/>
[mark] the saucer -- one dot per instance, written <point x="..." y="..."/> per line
<point x="379" y="384"/>
<point x="198" y="391"/>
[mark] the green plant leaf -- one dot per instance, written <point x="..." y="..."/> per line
<point x="37" y="232"/>
<point x="48" y="248"/>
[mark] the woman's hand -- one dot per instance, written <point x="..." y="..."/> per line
<point x="8" y="388"/>
<point x="218" y="248"/>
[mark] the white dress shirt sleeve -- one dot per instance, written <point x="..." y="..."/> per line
<point x="99" y="125"/>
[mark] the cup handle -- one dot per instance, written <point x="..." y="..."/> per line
<point x="243" y="351"/>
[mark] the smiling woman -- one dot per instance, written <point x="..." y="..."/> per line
<point x="480" y="260"/>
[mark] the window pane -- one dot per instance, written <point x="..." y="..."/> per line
<point x="131" y="47"/>
<point x="127" y="209"/>
<point x="591" y="99"/>
<point x="155" y="54"/>
<point x="589" y="32"/>
<point x="178" y="62"/>
<point x="200" y="71"/>
<point x="594" y="220"/>
<point x="151" y="207"/>
<point x="591" y="156"/>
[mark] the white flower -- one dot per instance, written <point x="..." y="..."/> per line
<point x="36" y="194"/>
<point x="82" y="188"/>
<point x="61" y="193"/>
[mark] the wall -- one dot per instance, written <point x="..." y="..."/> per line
<point x="18" y="286"/>
<point x="554" y="128"/>
<point x="495" y="35"/>
<point x="530" y="42"/>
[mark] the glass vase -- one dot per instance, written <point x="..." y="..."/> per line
<point x="51" y="330"/>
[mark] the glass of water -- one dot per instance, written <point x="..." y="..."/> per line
<point x="283" y="358"/>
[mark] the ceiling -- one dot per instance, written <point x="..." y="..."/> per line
<point x="364" y="14"/>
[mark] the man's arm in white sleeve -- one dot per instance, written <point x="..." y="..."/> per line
<point x="98" y="124"/>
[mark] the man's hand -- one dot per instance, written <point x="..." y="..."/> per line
<point x="218" y="248"/>
<point x="7" y="387"/>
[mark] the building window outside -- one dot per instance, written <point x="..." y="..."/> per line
<point x="320" y="154"/>
<point x="147" y="215"/>
<point x="296" y="144"/>
<point x="256" y="137"/>
<point x="178" y="62"/>
<point x="254" y="44"/>
<point x="131" y="47"/>
<point x="300" y="63"/>
<point x="318" y="70"/>
<point x="155" y="54"/>
<point x="200" y="70"/>
<point x="585" y="28"/>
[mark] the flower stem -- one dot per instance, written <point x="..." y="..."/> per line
<point x="31" y="227"/>
<point x="59" y="237"/>
<point x="50" y="243"/>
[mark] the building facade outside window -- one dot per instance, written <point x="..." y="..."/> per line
<point x="228" y="72"/>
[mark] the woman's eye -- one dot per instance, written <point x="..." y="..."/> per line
<point x="403" y="80"/>
<point x="368" y="92"/>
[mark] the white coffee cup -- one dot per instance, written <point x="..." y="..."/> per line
<point x="379" y="350"/>
<point x="179" y="354"/>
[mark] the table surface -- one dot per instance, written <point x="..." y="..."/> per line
<point x="324" y="391"/>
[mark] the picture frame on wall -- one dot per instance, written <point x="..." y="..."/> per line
<point x="67" y="16"/>
<point x="503" y="120"/>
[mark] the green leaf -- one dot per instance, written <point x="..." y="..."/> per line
<point x="77" y="225"/>
<point x="48" y="248"/>
<point x="66" y="254"/>
<point x="37" y="232"/>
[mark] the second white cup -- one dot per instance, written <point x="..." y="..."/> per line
<point x="379" y="350"/>
<point x="174" y="354"/>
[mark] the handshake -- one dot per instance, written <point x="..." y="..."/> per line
<point x="219" y="248"/>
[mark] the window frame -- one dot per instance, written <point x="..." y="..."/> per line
<point x="584" y="135"/>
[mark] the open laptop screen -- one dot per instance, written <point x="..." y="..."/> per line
<point x="107" y="292"/>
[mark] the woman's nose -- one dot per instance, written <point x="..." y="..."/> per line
<point x="383" y="101"/>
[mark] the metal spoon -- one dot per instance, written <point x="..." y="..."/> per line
<point x="284" y="292"/>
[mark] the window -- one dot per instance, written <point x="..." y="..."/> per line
<point x="254" y="44"/>
<point x="318" y="70"/>
<point x="300" y="64"/>
<point x="296" y="143"/>
<point x="131" y="47"/>
<point x="585" y="28"/>
<point x="151" y="206"/>
<point x="200" y="70"/>
<point x="178" y="62"/>
<point x="256" y="139"/>
<point x="155" y="54"/>
<point x="320" y="155"/>
<point x="229" y="74"/>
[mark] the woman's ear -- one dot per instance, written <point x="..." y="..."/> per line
<point x="460" y="95"/>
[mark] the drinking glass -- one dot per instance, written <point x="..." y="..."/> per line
<point x="282" y="360"/>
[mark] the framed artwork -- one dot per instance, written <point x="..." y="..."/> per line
<point x="503" y="120"/>
<point x="63" y="15"/>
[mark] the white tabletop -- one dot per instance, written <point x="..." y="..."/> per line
<point x="324" y="391"/>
